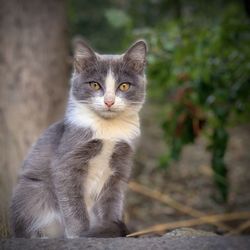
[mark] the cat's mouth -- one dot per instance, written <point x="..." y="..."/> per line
<point x="108" y="113"/>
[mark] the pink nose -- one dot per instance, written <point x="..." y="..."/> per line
<point x="109" y="103"/>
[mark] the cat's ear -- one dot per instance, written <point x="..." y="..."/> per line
<point x="84" y="55"/>
<point x="135" y="56"/>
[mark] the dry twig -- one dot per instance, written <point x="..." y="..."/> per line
<point x="240" y="229"/>
<point x="193" y="222"/>
<point x="166" y="199"/>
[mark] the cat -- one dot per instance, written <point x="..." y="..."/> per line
<point x="73" y="181"/>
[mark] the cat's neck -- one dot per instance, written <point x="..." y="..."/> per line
<point x="125" y="127"/>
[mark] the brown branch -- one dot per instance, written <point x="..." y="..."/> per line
<point x="240" y="229"/>
<point x="193" y="222"/>
<point x="166" y="199"/>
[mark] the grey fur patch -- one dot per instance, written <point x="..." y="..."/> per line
<point x="51" y="178"/>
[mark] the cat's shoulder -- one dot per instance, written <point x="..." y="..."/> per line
<point x="64" y="129"/>
<point x="55" y="130"/>
<point x="50" y="138"/>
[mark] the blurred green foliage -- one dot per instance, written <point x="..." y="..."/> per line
<point x="199" y="64"/>
<point x="205" y="66"/>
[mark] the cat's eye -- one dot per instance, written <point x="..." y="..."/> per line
<point x="95" y="85"/>
<point x="124" y="86"/>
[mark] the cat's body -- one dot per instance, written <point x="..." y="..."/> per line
<point x="73" y="181"/>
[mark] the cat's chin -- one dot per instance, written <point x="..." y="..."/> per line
<point x="108" y="114"/>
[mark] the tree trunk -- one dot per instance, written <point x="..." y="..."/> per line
<point x="33" y="81"/>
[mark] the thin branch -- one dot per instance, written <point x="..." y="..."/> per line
<point x="245" y="225"/>
<point x="193" y="222"/>
<point x="166" y="199"/>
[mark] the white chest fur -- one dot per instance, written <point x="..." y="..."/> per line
<point x="125" y="127"/>
<point x="99" y="171"/>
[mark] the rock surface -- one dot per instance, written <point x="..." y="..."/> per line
<point x="179" y="239"/>
<point x="182" y="238"/>
<point x="188" y="232"/>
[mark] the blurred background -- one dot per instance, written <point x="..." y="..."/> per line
<point x="192" y="167"/>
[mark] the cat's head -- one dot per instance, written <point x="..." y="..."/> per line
<point x="109" y="85"/>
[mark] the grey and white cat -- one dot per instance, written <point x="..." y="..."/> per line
<point x="73" y="181"/>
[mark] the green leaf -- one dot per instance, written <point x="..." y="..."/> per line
<point x="117" y="18"/>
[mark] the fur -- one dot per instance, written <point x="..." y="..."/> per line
<point x="73" y="181"/>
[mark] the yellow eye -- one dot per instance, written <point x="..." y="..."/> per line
<point x="95" y="85"/>
<point x="124" y="86"/>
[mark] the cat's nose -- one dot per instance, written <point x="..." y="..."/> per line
<point x="109" y="103"/>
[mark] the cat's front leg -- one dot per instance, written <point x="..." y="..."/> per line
<point x="107" y="213"/>
<point x="107" y="229"/>
<point x="70" y="198"/>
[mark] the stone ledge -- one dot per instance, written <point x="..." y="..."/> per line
<point x="188" y="232"/>
<point x="155" y="243"/>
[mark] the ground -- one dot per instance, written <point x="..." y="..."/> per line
<point x="165" y="242"/>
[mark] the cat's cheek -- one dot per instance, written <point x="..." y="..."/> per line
<point x="97" y="101"/>
<point x="119" y="102"/>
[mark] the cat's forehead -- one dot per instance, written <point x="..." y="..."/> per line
<point x="103" y="65"/>
<point x="109" y="57"/>
<point x="107" y="62"/>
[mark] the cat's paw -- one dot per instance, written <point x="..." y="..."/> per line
<point x="109" y="230"/>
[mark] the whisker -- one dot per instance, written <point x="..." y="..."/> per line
<point x="83" y="101"/>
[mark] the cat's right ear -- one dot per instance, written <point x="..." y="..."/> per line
<point x="84" y="55"/>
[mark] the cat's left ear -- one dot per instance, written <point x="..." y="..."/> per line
<point x="135" y="56"/>
<point x="84" y="55"/>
